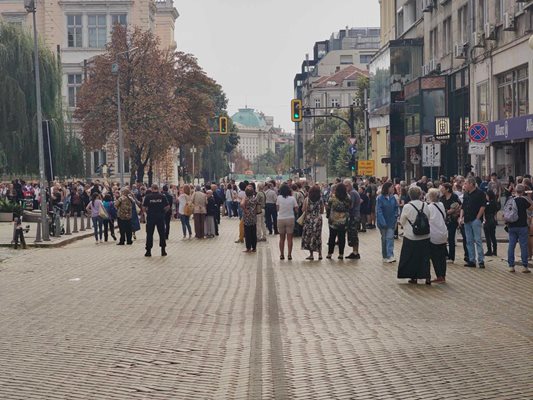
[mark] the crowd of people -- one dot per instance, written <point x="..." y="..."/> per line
<point x="427" y="214"/>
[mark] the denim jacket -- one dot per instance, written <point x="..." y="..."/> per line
<point x="386" y="212"/>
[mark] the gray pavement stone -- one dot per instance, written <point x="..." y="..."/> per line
<point x="103" y="322"/>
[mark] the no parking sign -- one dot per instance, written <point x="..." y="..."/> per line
<point x="478" y="133"/>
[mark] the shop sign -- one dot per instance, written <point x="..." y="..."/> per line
<point x="477" y="148"/>
<point x="431" y="155"/>
<point x="511" y="129"/>
<point x="366" y="167"/>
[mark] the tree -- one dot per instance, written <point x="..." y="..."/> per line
<point x="18" y="119"/>
<point x="154" y="114"/>
<point x="338" y="150"/>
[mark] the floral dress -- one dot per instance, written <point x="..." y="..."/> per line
<point x="249" y="216"/>
<point x="312" y="229"/>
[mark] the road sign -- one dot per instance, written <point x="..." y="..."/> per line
<point x="431" y="155"/>
<point x="352" y="141"/>
<point x="477" y="148"/>
<point x="478" y="133"/>
<point x="352" y="150"/>
<point x="366" y="167"/>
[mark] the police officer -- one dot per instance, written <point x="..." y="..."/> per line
<point x="156" y="206"/>
<point x="168" y="214"/>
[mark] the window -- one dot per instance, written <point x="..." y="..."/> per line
<point x="482" y="102"/>
<point x="74" y="30"/>
<point x="346" y="59"/>
<point x="483" y="13"/>
<point x="462" y="23"/>
<point x="121" y="19"/>
<point x="365" y="58"/>
<point x="399" y="22"/>
<point x="500" y="9"/>
<point x="97" y="31"/>
<point x="73" y="84"/>
<point x="335" y="102"/>
<point x="433" y="44"/>
<point x="513" y="94"/>
<point x="447" y="36"/>
<point x="317" y="103"/>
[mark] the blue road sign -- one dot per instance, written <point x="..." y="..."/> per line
<point x="352" y="150"/>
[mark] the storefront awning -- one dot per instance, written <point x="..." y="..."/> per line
<point x="511" y="129"/>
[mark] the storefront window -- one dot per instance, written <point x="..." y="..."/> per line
<point x="513" y="95"/>
<point x="510" y="159"/>
<point x="434" y="103"/>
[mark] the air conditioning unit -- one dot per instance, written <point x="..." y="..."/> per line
<point x="459" y="51"/>
<point x="427" y="5"/>
<point x="509" y="22"/>
<point x="477" y="39"/>
<point x="490" y="31"/>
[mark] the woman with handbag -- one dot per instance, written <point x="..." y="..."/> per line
<point x="199" y="201"/>
<point x="96" y="208"/>
<point x="338" y="213"/>
<point x="313" y="208"/>
<point x="185" y="210"/>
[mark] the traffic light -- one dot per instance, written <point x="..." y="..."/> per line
<point x="223" y="125"/>
<point x="351" y="163"/>
<point x="296" y="110"/>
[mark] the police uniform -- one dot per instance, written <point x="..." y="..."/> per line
<point x="155" y="203"/>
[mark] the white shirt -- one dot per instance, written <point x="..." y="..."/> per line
<point x="182" y="200"/>
<point x="409" y="215"/>
<point x="286" y="207"/>
<point x="229" y="195"/>
<point x="438" y="233"/>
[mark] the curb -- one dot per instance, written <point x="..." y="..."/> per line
<point x="47" y="245"/>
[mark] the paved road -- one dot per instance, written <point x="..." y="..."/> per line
<point x="209" y="322"/>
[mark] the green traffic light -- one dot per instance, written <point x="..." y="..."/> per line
<point x="296" y="115"/>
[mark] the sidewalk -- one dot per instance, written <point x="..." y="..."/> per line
<point x="6" y="234"/>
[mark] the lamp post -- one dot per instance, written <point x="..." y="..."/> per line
<point x="116" y="70"/>
<point x="193" y="151"/>
<point x="29" y="5"/>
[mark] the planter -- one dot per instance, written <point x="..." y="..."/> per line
<point x="6" y="217"/>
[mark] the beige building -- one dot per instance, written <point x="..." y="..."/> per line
<point x="329" y="80"/>
<point x="257" y="134"/>
<point x="78" y="30"/>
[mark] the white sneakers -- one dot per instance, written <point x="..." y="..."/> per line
<point x="389" y="260"/>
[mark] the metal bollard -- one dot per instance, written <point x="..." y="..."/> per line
<point x="67" y="229"/>
<point x="14" y="233"/>
<point x="88" y="222"/>
<point x="38" y="238"/>
<point x="82" y="228"/>
<point x="46" y="230"/>
<point x="75" y="230"/>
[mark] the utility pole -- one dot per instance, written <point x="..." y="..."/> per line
<point x="116" y="69"/>
<point x="366" y="123"/>
<point x="29" y="5"/>
<point x="193" y="151"/>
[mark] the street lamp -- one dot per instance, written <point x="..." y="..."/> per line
<point x="29" y="5"/>
<point x="193" y="151"/>
<point x="116" y="70"/>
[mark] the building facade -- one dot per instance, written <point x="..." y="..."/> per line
<point x="328" y="81"/>
<point x="475" y="67"/>
<point x="257" y="134"/>
<point x="78" y="30"/>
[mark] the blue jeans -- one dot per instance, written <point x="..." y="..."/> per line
<point x="97" y="226"/>
<point x="387" y="242"/>
<point x="229" y="208"/>
<point x="473" y="240"/>
<point x="185" y="224"/>
<point x="519" y="235"/>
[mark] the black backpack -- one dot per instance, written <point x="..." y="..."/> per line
<point x="421" y="224"/>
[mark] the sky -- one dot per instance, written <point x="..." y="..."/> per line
<point x="253" y="48"/>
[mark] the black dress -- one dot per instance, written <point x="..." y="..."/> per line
<point x="414" y="259"/>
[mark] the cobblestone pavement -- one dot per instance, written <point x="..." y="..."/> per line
<point x="208" y="322"/>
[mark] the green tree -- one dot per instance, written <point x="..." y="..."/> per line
<point x="338" y="150"/>
<point x="18" y="120"/>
